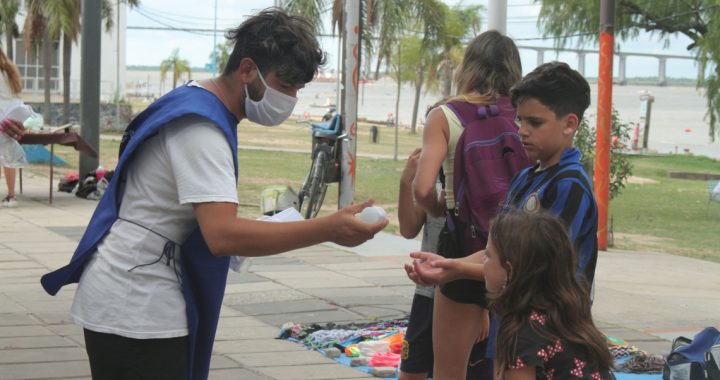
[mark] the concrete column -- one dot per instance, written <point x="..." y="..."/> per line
<point x="622" y="79"/>
<point x="540" y="56"/>
<point x="581" y="63"/>
<point x="497" y="15"/>
<point x="90" y="81"/>
<point x="662" y="80"/>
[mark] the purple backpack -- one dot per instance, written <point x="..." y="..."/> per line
<point x="487" y="156"/>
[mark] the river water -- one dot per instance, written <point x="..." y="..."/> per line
<point x="677" y="122"/>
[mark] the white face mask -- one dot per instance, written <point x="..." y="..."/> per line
<point x="274" y="108"/>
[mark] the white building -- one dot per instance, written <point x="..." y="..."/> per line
<point x="112" y="70"/>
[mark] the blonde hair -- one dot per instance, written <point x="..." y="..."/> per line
<point x="10" y="71"/>
<point x="490" y="67"/>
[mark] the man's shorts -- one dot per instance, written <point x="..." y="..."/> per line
<point x="417" y="353"/>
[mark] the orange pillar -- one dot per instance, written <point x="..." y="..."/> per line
<point x="604" y="117"/>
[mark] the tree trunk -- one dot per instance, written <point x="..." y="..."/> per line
<point x="416" y="103"/>
<point x="47" y="67"/>
<point x="67" y="56"/>
<point x="377" y="66"/>
<point x="9" y="42"/>
<point x="397" y="107"/>
<point x="175" y="77"/>
<point x="447" y="77"/>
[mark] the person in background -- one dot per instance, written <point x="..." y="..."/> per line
<point x="10" y="88"/>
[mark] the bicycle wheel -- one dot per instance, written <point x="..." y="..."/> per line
<point x="312" y="196"/>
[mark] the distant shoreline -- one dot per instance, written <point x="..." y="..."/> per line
<point x="671" y="81"/>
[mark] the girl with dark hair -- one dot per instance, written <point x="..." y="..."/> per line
<point x="546" y="328"/>
<point x="10" y="88"/>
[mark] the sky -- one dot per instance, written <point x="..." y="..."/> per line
<point x="150" y="47"/>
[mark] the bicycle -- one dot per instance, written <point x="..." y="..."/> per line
<point x="327" y="138"/>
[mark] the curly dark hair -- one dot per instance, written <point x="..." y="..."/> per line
<point x="543" y="278"/>
<point x="277" y="42"/>
<point x="557" y="86"/>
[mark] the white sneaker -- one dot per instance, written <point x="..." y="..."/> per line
<point x="9" y="202"/>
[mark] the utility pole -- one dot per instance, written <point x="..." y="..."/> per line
<point x="497" y="15"/>
<point x="350" y="102"/>
<point x="604" y="118"/>
<point x="117" y="72"/>
<point x="90" y="81"/>
<point x="214" y="50"/>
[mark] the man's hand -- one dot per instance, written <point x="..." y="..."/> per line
<point x="12" y="128"/>
<point x="349" y="230"/>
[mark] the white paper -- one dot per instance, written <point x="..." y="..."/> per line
<point x="287" y="215"/>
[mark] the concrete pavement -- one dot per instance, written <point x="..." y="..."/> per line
<point x="646" y="298"/>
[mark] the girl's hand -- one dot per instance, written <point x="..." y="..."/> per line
<point x="408" y="174"/>
<point x="433" y="269"/>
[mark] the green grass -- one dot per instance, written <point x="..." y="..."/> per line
<point x="667" y="216"/>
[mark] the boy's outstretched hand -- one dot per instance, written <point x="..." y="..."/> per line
<point x="349" y="231"/>
<point x="432" y="269"/>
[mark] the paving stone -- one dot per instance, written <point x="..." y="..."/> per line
<point x="388" y="281"/>
<point x="400" y="311"/>
<point x="373" y="273"/>
<point x="327" y="281"/>
<point x="222" y="361"/>
<point x="49" y="341"/>
<point x="236" y="374"/>
<point x="47" y="370"/>
<point x="274" y="260"/>
<point x="71" y="232"/>
<point x="17" y="319"/>
<point x="311" y="317"/>
<point x="271" y="295"/>
<point x="255" y="332"/>
<point x="14" y="331"/>
<point x="315" y="274"/>
<point x="240" y="322"/>
<point x="285" y="307"/>
<point x="45" y="354"/>
<point x="244" y="277"/>
<point x="264" y="359"/>
<point x="329" y="260"/>
<point x="360" y="265"/>
<point x="334" y="293"/>
<point x="24" y="264"/>
<point x="254" y="287"/>
<point x="371" y="301"/>
<point x="255" y="345"/>
<point x="255" y="268"/>
<point x="310" y="372"/>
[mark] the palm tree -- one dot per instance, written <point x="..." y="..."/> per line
<point x="223" y="55"/>
<point x="177" y="65"/>
<point x="36" y="28"/>
<point x="61" y="18"/>
<point x="8" y="10"/>
<point x="461" y="23"/>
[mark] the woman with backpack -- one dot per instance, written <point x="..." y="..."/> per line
<point x="474" y="139"/>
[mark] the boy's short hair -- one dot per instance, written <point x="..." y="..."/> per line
<point x="557" y="86"/>
<point x="278" y="42"/>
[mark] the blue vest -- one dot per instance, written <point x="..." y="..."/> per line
<point x="203" y="275"/>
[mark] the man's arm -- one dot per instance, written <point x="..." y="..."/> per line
<point x="435" y="139"/>
<point x="228" y="235"/>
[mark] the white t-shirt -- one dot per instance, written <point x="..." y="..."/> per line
<point x="188" y="161"/>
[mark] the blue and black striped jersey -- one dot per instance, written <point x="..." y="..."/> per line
<point x="565" y="190"/>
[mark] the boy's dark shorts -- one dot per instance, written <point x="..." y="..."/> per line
<point x="417" y="352"/>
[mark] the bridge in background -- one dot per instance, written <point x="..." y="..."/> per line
<point x="622" y="56"/>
